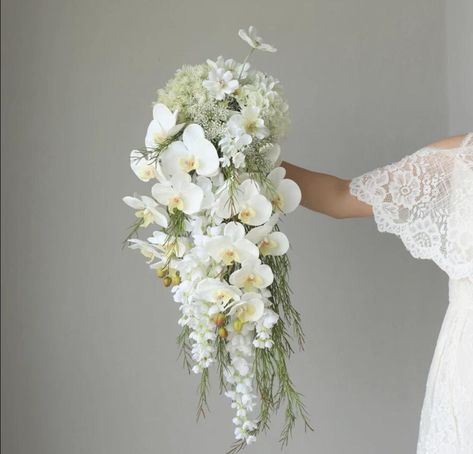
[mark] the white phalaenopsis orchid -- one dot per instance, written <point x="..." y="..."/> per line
<point x="250" y="308"/>
<point x="148" y="210"/>
<point x="218" y="292"/>
<point x="206" y="185"/>
<point x="162" y="127"/>
<point x="143" y="168"/>
<point x="248" y="121"/>
<point x="287" y="196"/>
<point x="252" y="275"/>
<point x="269" y="242"/>
<point x="146" y="249"/>
<point x="248" y="203"/>
<point x="255" y="41"/>
<point x="220" y="81"/>
<point x="179" y="194"/>
<point x="194" y="152"/>
<point x="176" y="248"/>
<point x="232" y="246"/>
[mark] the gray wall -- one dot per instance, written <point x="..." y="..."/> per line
<point x="459" y="14"/>
<point x="88" y="353"/>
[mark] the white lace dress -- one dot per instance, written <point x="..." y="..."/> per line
<point x="427" y="200"/>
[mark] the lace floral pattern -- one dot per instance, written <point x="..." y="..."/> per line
<point x="419" y="200"/>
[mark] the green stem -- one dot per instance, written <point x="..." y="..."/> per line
<point x="244" y="61"/>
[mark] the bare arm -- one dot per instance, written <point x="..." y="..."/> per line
<point x="330" y="195"/>
<point x="326" y="194"/>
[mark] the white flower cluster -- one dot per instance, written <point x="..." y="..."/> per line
<point x="212" y="233"/>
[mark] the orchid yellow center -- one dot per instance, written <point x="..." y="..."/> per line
<point x="223" y="296"/>
<point x="250" y="126"/>
<point x="245" y="311"/>
<point x="176" y="202"/>
<point x="146" y="216"/>
<point x="251" y="281"/>
<point x="278" y="202"/>
<point x="188" y="163"/>
<point x="267" y="245"/>
<point x="246" y="214"/>
<point x="229" y="256"/>
<point x="146" y="173"/>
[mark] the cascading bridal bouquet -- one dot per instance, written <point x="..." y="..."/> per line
<point x="212" y="153"/>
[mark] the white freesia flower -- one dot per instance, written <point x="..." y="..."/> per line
<point x="162" y="127"/>
<point x="269" y="242"/>
<point x="179" y="194"/>
<point x="255" y="41"/>
<point x="220" y="81"/>
<point x="250" y="308"/>
<point x="248" y="203"/>
<point x="288" y="194"/>
<point x="194" y="152"/>
<point x="249" y="122"/>
<point x="232" y="246"/>
<point x="239" y="70"/>
<point x="263" y="329"/>
<point x="238" y="159"/>
<point x="148" y="210"/>
<point x="234" y="140"/>
<point x="269" y="319"/>
<point x="194" y="266"/>
<point x="252" y="275"/>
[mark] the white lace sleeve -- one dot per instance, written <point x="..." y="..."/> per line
<point x="427" y="200"/>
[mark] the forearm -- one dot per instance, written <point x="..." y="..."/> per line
<point x="326" y="194"/>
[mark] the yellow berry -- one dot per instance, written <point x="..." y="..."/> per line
<point x="161" y="272"/>
<point x="167" y="281"/>
<point x="222" y="332"/>
<point x="219" y="319"/>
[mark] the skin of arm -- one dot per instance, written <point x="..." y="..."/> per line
<point x="331" y="196"/>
